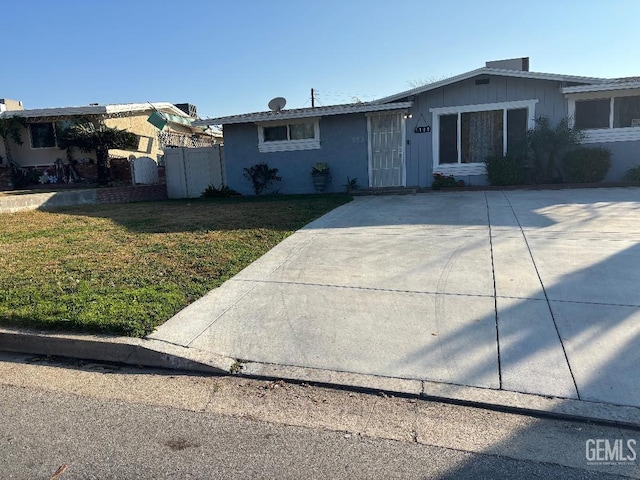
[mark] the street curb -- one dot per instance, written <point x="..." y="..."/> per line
<point x="161" y="354"/>
<point x="130" y="351"/>
<point x="502" y="400"/>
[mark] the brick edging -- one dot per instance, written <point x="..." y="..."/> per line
<point x="133" y="193"/>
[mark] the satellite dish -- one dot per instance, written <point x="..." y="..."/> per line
<point x="277" y="104"/>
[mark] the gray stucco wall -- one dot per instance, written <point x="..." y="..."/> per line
<point x="419" y="156"/>
<point x="343" y="140"/>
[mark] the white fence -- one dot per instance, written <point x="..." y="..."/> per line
<point x="190" y="171"/>
<point x="144" y="171"/>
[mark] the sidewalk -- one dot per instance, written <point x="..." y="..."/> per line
<point x="524" y="300"/>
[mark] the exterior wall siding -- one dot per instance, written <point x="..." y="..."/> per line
<point x="419" y="153"/>
<point x="344" y="138"/>
<point x="343" y="146"/>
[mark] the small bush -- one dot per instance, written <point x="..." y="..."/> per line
<point x="261" y="176"/>
<point x="223" y="192"/>
<point x="632" y="175"/>
<point x="24" y="177"/>
<point x="351" y="185"/>
<point x="445" y="181"/>
<point x="503" y="170"/>
<point x="586" y="164"/>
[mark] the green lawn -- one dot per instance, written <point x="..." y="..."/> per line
<point x="124" y="269"/>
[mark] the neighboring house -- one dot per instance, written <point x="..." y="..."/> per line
<point x="158" y="125"/>
<point x="448" y="127"/>
<point x="7" y="104"/>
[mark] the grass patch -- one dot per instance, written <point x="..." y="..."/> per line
<point x="125" y="269"/>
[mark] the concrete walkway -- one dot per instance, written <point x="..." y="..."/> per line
<point x="525" y="291"/>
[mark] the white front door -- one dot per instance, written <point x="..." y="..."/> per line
<point x="386" y="150"/>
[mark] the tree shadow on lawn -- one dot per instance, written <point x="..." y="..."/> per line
<point x="275" y="212"/>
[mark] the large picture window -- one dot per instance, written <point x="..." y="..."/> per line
<point x="294" y="135"/>
<point x="466" y="136"/>
<point x="481" y="135"/>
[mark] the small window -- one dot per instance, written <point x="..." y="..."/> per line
<point x="302" y="131"/>
<point x="592" y="113"/>
<point x="275" y="134"/>
<point x="626" y="112"/>
<point x="42" y="135"/>
<point x="297" y="135"/>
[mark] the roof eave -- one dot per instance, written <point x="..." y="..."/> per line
<point x="97" y="110"/>
<point x="299" y="114"/>
<point x="603" y="87"/>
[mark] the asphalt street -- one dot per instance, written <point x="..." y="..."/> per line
<point x="103" y="421"/>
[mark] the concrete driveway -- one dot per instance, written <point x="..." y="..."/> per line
<point x="527" y="291"/>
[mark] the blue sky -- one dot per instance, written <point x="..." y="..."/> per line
<point x="229" y="57"/>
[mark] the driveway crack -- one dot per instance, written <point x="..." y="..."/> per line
<point x="546" y="296"/>
<point x="495" y="291"/>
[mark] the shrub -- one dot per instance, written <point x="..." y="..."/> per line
<point x="586" y="164"/>
<point x="632" y="175"/>
<point x="223" y="192"/>
<point x="441" y="180"/>
<point x="547" y="144"/>
<point x="503" y="170"/>
<point x="261" y="176"/>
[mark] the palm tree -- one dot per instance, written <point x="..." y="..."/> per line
<point x="11" y="128"/>
<point x="95" y="136"/>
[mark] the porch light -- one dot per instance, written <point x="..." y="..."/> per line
<point x="408" y="115"/>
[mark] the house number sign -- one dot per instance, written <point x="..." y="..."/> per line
<point x="426" y="129"/>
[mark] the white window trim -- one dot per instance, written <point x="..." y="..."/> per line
<point x="605" y="135"/>
<point x="473" y="168"/>
<point x="55" y="138"/>
<point x="289" y="145"/>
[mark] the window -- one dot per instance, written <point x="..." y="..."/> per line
<point x="592" y="113"/>
<point x="301" y="131"/>
<point x="466" y="135"/>
<point x="449" y="139"/>
<point x="296" y="131"/>
<point x="295" y="135"/>
<point x="610" y="116"/>
<point x="517" y="126"/>
<point x="626" y="112"/>
<point x="276" y="134"/>
<point x="42" y="135"/>
<point x="481" y="135"/>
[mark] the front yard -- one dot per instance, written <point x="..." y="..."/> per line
<point x="124" y="269"/>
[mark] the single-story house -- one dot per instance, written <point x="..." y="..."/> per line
<point x="158" y="126"/>
<point x="449" y="127"/>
